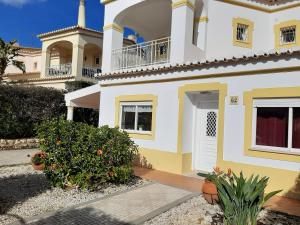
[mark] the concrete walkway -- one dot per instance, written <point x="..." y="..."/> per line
<point x="131" y="207"/>
<point x="16" y="157"/>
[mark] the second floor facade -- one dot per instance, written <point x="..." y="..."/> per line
<point x="178" y="31"/>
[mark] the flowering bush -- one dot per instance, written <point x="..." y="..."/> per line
<point x="85" y="156"/>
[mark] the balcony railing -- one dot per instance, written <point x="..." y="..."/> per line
<point x="143" y="54"/>
<point x="90" y="71"/>
<point x="60" y="70"/>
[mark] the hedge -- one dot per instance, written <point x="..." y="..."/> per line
<point x="21" y="108"/>
<point x="79" y="155"/>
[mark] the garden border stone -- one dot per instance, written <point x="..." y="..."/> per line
<point x="19" y="144"/>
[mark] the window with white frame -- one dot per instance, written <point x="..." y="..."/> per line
<point x="276" y="124"/>
<point x="136" y="117"/>
<point x="242" y="32"/>
<point x="288" y="35"/>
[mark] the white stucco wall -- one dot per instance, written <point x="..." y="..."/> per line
<point x="167" y="109"/>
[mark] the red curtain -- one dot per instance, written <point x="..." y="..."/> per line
<point x="272" y="127"/>
<point x="296" y="128"/>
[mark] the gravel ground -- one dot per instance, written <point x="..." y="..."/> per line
<point x="26" y="193"/>
<point x="197" y="212"/>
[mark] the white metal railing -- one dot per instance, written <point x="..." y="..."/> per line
<point x="90" y="71"/>
<point x="142" y="54"/>
<point x="60" y="70"/>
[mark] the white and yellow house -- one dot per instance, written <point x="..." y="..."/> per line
<point x="68" y="54"/>
<point x="216" y="83"/>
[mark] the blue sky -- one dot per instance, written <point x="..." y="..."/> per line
<point x="25" y="19"/>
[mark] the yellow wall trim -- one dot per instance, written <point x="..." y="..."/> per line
<point x="137" y="98"/>
<point x="105" y="2"/>
<point x="280" y="179"/>
<point x="202" y="19"/>
<point x="248" y="102"/>
<point x="114" y="27"/>
<point x="181" y="3"/>
<point x="277" y="29"/>
<point x="165" y="160"/>
<point x="213" y="75"/>
<point x="260" y="8"/>
<point x="249" y="42"/>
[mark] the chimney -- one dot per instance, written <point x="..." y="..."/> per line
<point x="81" y="14"/>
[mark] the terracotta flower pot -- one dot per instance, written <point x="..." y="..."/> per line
<point x="210" y="192"/>
<point x="38" y="167"/>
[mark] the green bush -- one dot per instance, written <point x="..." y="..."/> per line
<point x="23" y="107"/>
<point x="85" y="156"/>
<point x="242" y="199"/>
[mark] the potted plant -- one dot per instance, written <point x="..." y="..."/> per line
<point x="38" y="161"/>
<point x="209" y="188"/>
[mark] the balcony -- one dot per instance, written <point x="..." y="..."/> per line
<point x="143" y="54"/>
<point x="60" y="70"/>
<point x="90" y="72"/>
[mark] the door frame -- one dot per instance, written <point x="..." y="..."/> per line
<point x="200" y="87"/>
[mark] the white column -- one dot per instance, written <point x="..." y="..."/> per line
<point x="81" y="14"/>
<point x="182" y="29"/>
<point x="77" y="60"/>
<point x="70" y="113"/>
<point x="45" y="61"/>
<point x="113" y="39"/>
<point x="200" y="27"/>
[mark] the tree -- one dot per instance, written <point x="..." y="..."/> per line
<point x="8" y="54"/>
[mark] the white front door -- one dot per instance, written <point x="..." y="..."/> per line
<point x="205" y="139"/>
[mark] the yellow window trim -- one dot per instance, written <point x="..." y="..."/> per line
<point x="248" y="102"/>
<point x="137" y="98"/>
<point x="239" y="43"/>
<point x="277" y="29"/>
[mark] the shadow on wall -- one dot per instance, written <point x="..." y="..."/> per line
<point x="78" y="216"/>
<point x="294" y="192"/>
<point x="141" y="161"/>
<point x="17" y="189"/>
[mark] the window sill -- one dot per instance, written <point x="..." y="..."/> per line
<point x="267" y="149"/>
<point x="140" y="135"/>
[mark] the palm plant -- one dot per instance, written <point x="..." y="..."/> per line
<point x="8" y="54"/>
<point x="242" y="199"/>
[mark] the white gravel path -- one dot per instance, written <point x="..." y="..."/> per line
<point x="26" y="193"/>
<point x="197" y="212"/>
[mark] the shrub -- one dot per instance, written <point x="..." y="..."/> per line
<point x="242" y="199"/>
<point x="85" y="156"/>
<point x="23" y="107"/>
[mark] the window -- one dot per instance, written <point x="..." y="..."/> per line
<point x="287" y="35"/>
<point x="136" y="117"/>
<point x="242" y="32"/>
<point x="97" y="61"/>
<point x="35" y="66"/>
<point x="277" y="124"/>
